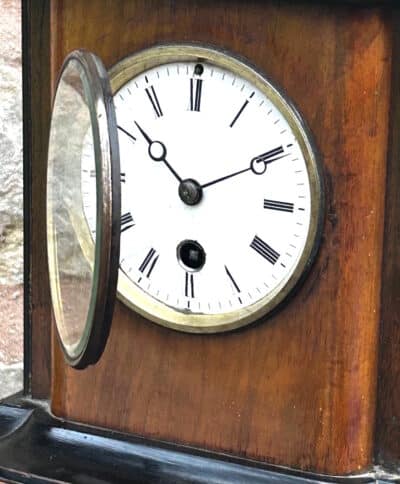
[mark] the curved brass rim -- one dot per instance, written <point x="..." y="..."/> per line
<point x="133" y="296"/>
<point x="106" y="252"/>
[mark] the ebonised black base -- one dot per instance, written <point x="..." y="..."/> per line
<point x="36" y="447"/>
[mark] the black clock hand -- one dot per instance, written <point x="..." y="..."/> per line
<point x="264" y="158"/>
<point x="225" y="177"/>
<point x="145" y="135"/>
<point x="157" y="151"/>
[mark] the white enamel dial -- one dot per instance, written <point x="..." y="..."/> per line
<point x="217" y="195"/>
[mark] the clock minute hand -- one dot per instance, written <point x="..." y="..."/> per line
<point x="157" y="151"/>
<point x="225" y="177"/>
<point x="264" y="158"/>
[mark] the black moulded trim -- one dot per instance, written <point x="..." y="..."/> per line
<point x="36" y="447"/>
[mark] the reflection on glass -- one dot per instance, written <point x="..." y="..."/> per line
<point x="70" y="259"/>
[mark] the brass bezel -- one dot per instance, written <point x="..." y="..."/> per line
<point x="133" y="296"/>
<point x="105" y="257"/>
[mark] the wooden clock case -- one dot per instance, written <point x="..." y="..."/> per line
<point x="315" y="387"/>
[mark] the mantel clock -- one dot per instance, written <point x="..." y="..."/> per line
<point x="211" y="243"/>
<point x="221" y="191"/>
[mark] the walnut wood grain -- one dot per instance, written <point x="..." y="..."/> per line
<point x="388" y="406"/>
<point x="298" y="389"/>
<point x="36" y="115"/>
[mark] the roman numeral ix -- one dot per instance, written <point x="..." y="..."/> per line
<point x="264" y="250"/>
<point x="195" y="94"/>
<point x="275" y="205"/>
<point x="149" y="262"/>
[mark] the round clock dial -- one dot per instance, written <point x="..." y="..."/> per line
<point x="221" y="196"/>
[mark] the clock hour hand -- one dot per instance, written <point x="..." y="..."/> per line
<point x="258" y="165"/>
<point x="157" y="151"/>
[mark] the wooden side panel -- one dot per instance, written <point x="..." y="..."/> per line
<point x="36" y="116"/>
<point x="298" y="389"/>
<point x="388" y="406"/>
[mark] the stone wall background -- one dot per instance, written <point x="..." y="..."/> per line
<point x="11" y="264"/>
<point x="11" y="203"/>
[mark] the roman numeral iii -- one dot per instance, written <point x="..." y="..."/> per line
<point x="282" y="206"/>
<point x="195" y="94"/>
<point x="264" y="250"/>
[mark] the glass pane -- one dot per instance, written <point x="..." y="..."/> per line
<point x="11" y="204"/>
<point x="70" y="241"/>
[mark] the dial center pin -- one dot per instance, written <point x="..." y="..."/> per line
<point x="190" y="192"/>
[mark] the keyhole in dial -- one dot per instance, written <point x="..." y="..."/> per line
<point x="191" y="255"/>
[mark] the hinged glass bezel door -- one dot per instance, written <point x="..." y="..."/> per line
<point x="83" y="251"/>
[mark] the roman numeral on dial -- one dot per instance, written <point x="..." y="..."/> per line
<point x="189" y="285"/>
<point x="149" y="262"/>
<point x="232" y="279"/>
<point x="126" y="221"/>
<point x="241" y="110"/>
<point x="195" y="94"/>
<point x="234" y="283"/>
<point x="127" y="133"/>
<point x="239" y="113"/>
<point x="264" y="250"/>
<point x="276" y="205"/>
<point x="151" y="94"/>
<point x="267" y="156"/>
